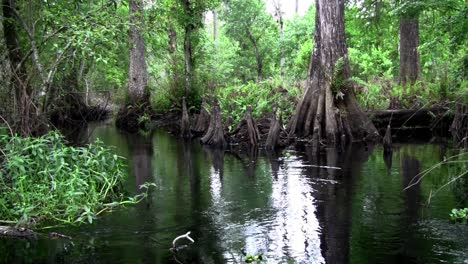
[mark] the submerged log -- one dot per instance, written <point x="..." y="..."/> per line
<point x="185" y="121"/>
<point x="203" y="120"/>
<point x="409" y="117"/>
<point x="215" y="134"/>
<point x="274" y="133"/>
<point x="17" y="232"/>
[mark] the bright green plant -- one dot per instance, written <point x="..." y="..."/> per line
<point x="459" y="215"/>
<point x="261" y="97"/>
<point x="43" y="179"/>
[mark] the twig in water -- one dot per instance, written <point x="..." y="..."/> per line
<point x="417" y="179"/>
<point x="180" y="237"/>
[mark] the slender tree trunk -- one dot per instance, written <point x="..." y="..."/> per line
<point x="297" y="7"/>
<point x="258" y="56"/>
<point x="185" y="122"/>
<point x="283" y="57"/>
<point x="409" y="42"/>
<point x="330" y="116"/>
<point x="215" y="26"/>
<point x="137" y="72"/>
<point x="189" y="28"/>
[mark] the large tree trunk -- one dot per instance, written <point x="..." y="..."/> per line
<point x="24" y="117"/>
<point x="137" y="71"/>
<point x="328" y="110"/>
<point x="409" y="42"/>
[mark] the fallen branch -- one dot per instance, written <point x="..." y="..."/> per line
<point x="16" y="232"/>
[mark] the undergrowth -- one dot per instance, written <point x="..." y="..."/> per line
<point x="43" y="179"/>
<point x="262" y="97"/>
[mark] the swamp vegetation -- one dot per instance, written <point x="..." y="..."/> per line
<point x="242" y="77"/>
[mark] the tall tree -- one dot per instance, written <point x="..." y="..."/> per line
<point x="23" y="106"/>
<point x="188" y="49"/>
<point x="137" y="71"/>
<point x="408" y="48"/>
<point x="328" y="109"/>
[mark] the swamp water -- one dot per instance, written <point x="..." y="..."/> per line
<point x="276" y="204"/>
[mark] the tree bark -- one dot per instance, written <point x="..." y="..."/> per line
<point x="137" y="72"/>
<point x="328" y="110"/>
<point x="274" y="132"/>
<point x="215" y="134"/>
<point x="185" y="122"/>
<point x="203" y="119"/>
<point x="252" y="129"/>
<point x="409" y="57"/>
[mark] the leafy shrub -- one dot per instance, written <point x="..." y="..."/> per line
<point x="459" y="215"/>
<point x="44" y="179"/>
<point x="262" y="97"/>
<point x="160" y="100"/>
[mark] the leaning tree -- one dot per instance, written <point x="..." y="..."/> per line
<point x="328" y="110"/>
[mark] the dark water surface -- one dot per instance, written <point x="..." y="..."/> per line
<point x="277" y="204"/>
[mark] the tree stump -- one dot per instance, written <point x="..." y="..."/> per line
<point x="274" y="133"/>
<point x="252" y="128"/>
<point x="185" y="122"/>
<point x="215" y="134"/>
<point x="203" y="120"/>
<point x="387" y="140"/>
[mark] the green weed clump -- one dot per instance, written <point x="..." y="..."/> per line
<point x="262" y="97"/>
<point x="459" y="215"/>
<point x="43" y="179"/>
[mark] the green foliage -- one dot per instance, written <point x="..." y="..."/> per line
<point x="459" y="215"/>
<point x="160" y="100"/>
<point x="376" y="63"/>
<point x="262" y="97"/>
<point x="257" y="35"/>
<point x="253" y="258"/>
<point x="44" y="179"/>
<point x="298" y="43"/>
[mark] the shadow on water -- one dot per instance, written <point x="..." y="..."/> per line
<point x="284" y="205"/>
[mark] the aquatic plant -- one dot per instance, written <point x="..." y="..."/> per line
<point x="43" y="179"/>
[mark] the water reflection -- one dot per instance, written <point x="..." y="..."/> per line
<point x="284" y="205"/>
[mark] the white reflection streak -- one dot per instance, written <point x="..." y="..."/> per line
<point x="296" y="229"/>
<point x="215" y="185"/>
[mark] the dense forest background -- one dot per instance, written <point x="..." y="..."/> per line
<point x="59" y="55"/>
